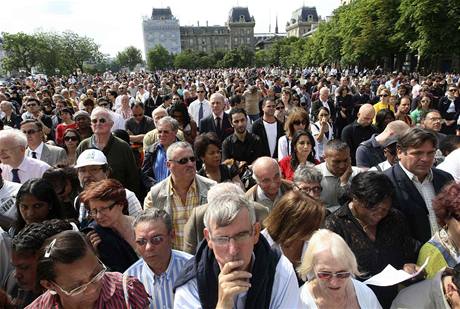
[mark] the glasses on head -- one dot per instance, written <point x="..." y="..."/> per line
<point x="238" y="238"/>
<point x="308" y="190"/>
<point x="299" y="122"/>
<point x="103" y="210"/>
<point x="83" y="287"/>
<point x="184" y="160"/>
<point x="100" y="120"/>
<point x="70" y="138"/>
<point x="155" y="240"/>
<point x="29" y="132"/>
<point x="327" y="275"/>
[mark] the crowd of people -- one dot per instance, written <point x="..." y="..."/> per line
<point x="255" y="188"/>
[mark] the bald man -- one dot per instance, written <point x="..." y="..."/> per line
<point x="360" y="130"/>
<point x="218" y="122"/>
<point x="370" y="152"/>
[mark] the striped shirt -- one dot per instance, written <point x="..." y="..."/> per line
<point x="111" y="295"/>
<point x="160" y="170"/>
<point x="160" y="288"/>
<point x="181" y="212"/>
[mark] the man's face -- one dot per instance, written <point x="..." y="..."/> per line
<point x="269" y="179"/>
<point x="269" y="108"/>
<point x="32" y="107"/>
<point x="122" y="90"/>
<point x="234" y="250"/>
<point x="365" y="118"/>
<point x="404" y="106"/>
<point x="418" y="160"/>
<point x="154" y="242"/>
<point x="34" y="135"/>
<point x="10" y="152"/>
<point x="312" y="188"/>
<point x="6" y="108"/>
<point x="158" y="115"/>
<point x="324" y="94"/>
<point x="217" y="105"/>
<point x="337" y="162"/>
<point x="166" y="135"/>
<point x="433" y="121"/>
<point x="25" y="269"/>
<point x="187" y="170"/>
<point x="83" y="122"/>
<point x="200" y="93"/>
<point x="239" y="123"/>
<point x="90" y="173"/>
<point x="138" y="113"/>
<point x="101" y="123"/>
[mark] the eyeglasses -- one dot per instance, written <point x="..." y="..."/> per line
<point x="308" y="190"/>
<point x="184" y="160"/>
<point x="279" y="108"/>
<point x="155" y="240"/>
<point x="238" y="238"/>
<point x="452" y="90"/>
<point x="299" y="122"/>
<point x="101" y="120"/>
<point x="103" y="210"/>
<point x="83" y="287"/>
<point x="30" y="132"/>
<point x="70" y="138"/>
<point x="327" y="275"/>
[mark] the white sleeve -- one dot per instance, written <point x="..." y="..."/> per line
<point x="285" y="292"/>
<point x="282" y="147"/>
<point x="186" y="296"/>
<point x="134" y="206"/>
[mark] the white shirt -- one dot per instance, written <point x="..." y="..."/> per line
<point x="28" y="169"/>
<point x="37" y="150"/>
<point x="8" y="198"/>
<point x="273" y="244"/>
<point x="285" y="291"/>
<point x="451" y="164"/>
<point x="194" y="110"/>
<point x="284" y="147"/>
<point x="118" y="121"/>
<point x="271" y="129"/>
<point x="319" y="145"/>
<point x="118" y="101"/>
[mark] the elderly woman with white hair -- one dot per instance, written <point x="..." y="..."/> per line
<point x="330" y="266"/>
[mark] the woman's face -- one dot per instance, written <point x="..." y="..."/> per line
<point x="65" y="116"/>
<point x="299" y="124"/>
<point x="323" y="116"/>
<point x="87" y="269"/>
<point x="303" y="146"/>
<point x="212" y="156"/>
<point x="71" y="140"/>
<point x="425" y="103"/>
<point x="327" y="264"/>
<point x="384" y="96"/>
<point x="388" y="118"/>
<point x="372" y="216"/>
<point x="178" y="116"/>
<point x="106" y="213"/>
<point x="285" y="97"/>
<point x="32" y="209"/>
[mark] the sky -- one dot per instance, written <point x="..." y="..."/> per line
<point x="115" y="25"/>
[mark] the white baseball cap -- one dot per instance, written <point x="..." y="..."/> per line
<point x="91" y="157"/>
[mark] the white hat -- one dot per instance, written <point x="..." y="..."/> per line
<point x="91" y="157"/>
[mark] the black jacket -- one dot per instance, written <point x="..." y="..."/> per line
<point x="208" y="125"/>
<point x="259" y="129"/>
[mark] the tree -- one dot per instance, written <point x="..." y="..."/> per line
<point x="129" y="57"/>
<point x="159" y="58"/>
<point x="22" y="52"/>
<point x="77" y="50"/>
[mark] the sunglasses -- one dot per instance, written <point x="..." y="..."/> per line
<point x="155" y="240"/>
<point x="279" y="108"/>
<point x="299" y="122"/>
<point x="327" y="275"/>
<point x="70" y="138"/>
<point x="103" y="104"/>
<point x="184" y="160"/>
<point x="30" y="132"/>
<point x="452" y="90"/>
<point x="101" y="120"/>
<point x="384" y="95"/>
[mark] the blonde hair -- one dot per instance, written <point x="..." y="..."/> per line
<point x="323" y="240"/>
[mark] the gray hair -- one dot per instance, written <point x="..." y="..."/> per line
<point x="177" y="145"/>
<point x="173" y="123"/>
<point x="7" y="103"/>
<point x="99" y="109"/>
<point x="223" y="209"/>
<point x="223" y="188"/>
<point x="307" y="173"/>
<point x="159" y="109"/>
<point x="15" y="134"/>
<point x="152" y="214"/>
<point x="336" y="145"/>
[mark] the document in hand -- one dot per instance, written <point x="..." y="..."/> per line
<point x="391" y="276"/>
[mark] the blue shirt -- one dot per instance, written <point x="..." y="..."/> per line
<point x="160" y="288"/>
<point x="160" y="170"/>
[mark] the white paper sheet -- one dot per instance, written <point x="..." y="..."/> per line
<point x="391" y="276"/>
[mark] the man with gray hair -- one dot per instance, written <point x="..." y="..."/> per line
<point x="152" y="136"/>
<point x="193" y="229"/>
<point x="307" y="179"/>
<point x="235" y="267"/>
<point x="154" y="167"/>
<point x="160" y="265"/>
<point x="269" y="186"/>
<point x="181" y="191"/>
<point x="218" y="122"/>
<point x="16" y="166"/>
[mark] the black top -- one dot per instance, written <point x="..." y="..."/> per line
<point x="226" y="172"/>
<point x="354" y="134"/>
<point x="393" y="245"/>
<point x="248" y="151"/>
<point x="143" y="127"/>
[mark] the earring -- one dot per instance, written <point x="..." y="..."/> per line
<point x="52" y="292"/>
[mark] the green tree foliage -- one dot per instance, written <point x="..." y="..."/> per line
<point x="159" y="58"/>
<point x="22" y="52"/>
<point x="129" y="57"/>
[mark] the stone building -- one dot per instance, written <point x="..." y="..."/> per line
<point x="303" y="21"/>
<point x="163" y="28"/>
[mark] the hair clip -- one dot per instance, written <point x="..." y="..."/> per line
<point x="49" y="248"/>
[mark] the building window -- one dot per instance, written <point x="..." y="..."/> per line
<point x="242" y="18"/>
<point x="310" y="18"/>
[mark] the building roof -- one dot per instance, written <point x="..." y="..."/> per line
<point x="240" y="14"/>
<point x="301" y="15"/>
<point x="162" y="13"/>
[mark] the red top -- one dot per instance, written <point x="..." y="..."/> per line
<point x="286" y="168"/>
<point x="111" y="296"/>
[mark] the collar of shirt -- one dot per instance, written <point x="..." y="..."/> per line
<point x="172" y="190"/>
<point x="325" y="171"/>
<point x="261" y="194"/>
<point x="166" y="274"/>
<point x="414" y="178"/>
<point x="109" y="287"/>
<point x="38" y="150"/>
<point x="221" y="116"/>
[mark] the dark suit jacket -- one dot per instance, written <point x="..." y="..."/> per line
<point x="315" y="106"/>
<point x="193" y="229"/>
<point x="259" y="129"/>
<point x="208" y="125"/>
<point x="408" y="199"/>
